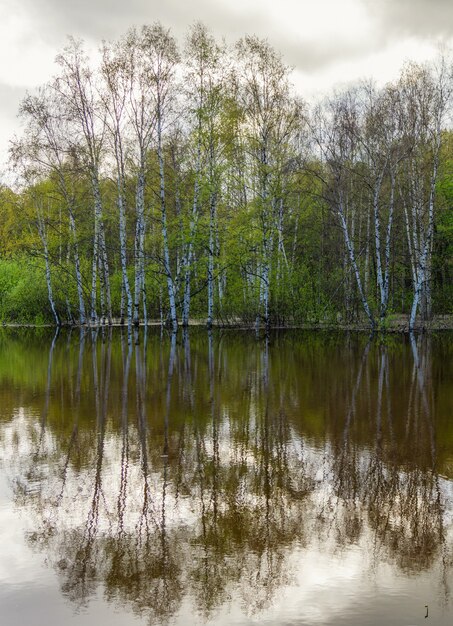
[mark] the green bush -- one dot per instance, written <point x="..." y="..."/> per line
<point x="23" y="293"/>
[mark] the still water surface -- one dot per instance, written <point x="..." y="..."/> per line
<point x="223" y="479"/>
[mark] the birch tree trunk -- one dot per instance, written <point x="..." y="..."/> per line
<point x="100" y="250"/>
<point x="163" y="208"/>
<point x="43" y="236"/>
<point x="139" y="245"/>
<point x="189" y="253"/>
<point x="162" y="56"/>
<point x="377" y="242"/>
<point x="78" y="273"/>
<point x="123" y="243"/>
<point x="424" y="259"/>
<point x="211" y="254"/>
<point x="388" y="237"/>
<point x="94" y="276"/>
<point x="352" y="258"/>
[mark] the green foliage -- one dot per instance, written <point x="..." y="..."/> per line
<point x="23" y="292"/>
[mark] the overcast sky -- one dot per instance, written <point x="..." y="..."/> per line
<point x="326" y="41"/>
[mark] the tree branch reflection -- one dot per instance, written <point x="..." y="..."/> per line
<point x="209" y="461"/>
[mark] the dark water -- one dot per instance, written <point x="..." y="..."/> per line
<point x="224" y="479"/>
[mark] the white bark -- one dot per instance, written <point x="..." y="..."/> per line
<point x="211" y="254"/>
<point x="163" y="208"/>
<point x="43" y="235"/>
<point x="352" y="258"/>
<point x="423" y="261"/>
<point x="189" y="252"/>
<point x="139" y="244"/>
<point x="123" y="257"/>
<point x="72" y="226"/>
<point x="386" y="285"/>
<point x="100" y="249"/>
<point x="75" y="87"/>
<point x="377" y="240"/>
<point x="116" y="71"/>
<point x="94" y="279"/>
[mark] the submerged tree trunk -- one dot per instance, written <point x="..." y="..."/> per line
<point x="424" y="260"/>
<point x="377" y="243"/>
<point x="352" y="258"/>
<point x="94" y="279"/>
<point x="102" y="250"/>
<point x="78" y="273"/>
<point x="43" y="235"/>
<point x="139" y="246"/>
<point x="189" y="255"/>
<point x="123" y="255"/>
<point x="163" y="207"/>
<point x="388" y="236"/>
<point x="211" y="254"/>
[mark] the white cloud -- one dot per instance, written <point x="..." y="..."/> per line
<point x="382" y="65"/>
<point x="26" y="58"/>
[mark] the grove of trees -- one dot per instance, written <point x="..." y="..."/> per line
<point x="168" y="182"/>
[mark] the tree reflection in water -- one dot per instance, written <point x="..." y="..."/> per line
<point x="392" y="488"/>
<point x="191" y="467"/>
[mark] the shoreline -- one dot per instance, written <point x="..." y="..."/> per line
<point x="399" y="324"/>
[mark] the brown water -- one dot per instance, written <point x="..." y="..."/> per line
<point x="224" y="479"/>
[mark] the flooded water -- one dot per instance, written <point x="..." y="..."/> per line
<point x="225" y="479"/>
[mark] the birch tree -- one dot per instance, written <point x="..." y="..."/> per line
<point x="116" y="77"/>
<point x="143" y="113"/>
<point x="335" y="130"/>
<point x="42" y="230"/>
<point x="426" y="96"/>
<point x="203" y="60"/>
<point x="75" y="85"/>
<point x="44" y="152"/>
<point x="269" y="117"/>
<point x="383" y="148"/>
<point x="162" y="56"/>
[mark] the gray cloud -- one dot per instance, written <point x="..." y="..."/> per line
<point x="105" y="19"/>
<point x="418" y="18"/>
<point x="430" y="20"/>
<point x="10" y="98"/>
<point x="95" y="20"/>
<point x="308" y="57"/>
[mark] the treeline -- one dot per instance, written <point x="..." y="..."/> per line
<point x="167" y="183"/>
